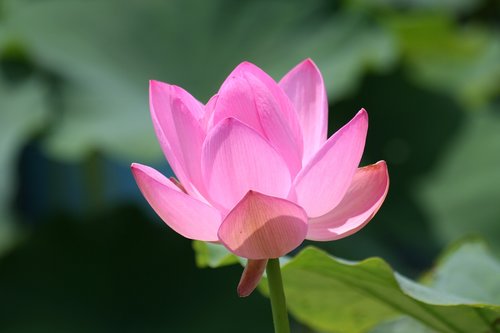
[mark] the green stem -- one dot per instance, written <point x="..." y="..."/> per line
<point x="277" y="295"/>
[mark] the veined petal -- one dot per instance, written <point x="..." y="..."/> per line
<point x="177" y="120"/>
<point x="361" y="202"/>
<point x="236" y="159"/>
<point x="255" y="99"/>
<point x="323" y="182"/>
<point x="208" y="116"/>
<point x="184" y="214"/>
<point x="306" y="90"/>
<point x="236" y="100"/>
<point x="262" y="227"/>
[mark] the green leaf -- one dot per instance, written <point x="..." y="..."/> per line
<point x="468" y="270"/>
<point x="212" y="255"/>
<point x="112" y="48"/>
<point x="461" y="195"/>
<point x="461" y="61"/>
<point x="334" y="295"/>
<point x="402" y="325"/>
<point x="461" y="6"/>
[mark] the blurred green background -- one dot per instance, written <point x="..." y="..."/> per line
<point x="80" y="251"/>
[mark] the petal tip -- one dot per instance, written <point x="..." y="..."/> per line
<point x="135" y="167"/>
<point x="153" y="84"/>
<point x="311" y="63"/>
<point x="380" y="166"/>
<point x="361" y="119"/>
<point x="305" y="66"/>
<point x="247" y="63"/>
<point x="245" y="66"/>
<point x="382" y="163"/>
<point x="251" y="277"/>
<point x="362" y="113"/>
<point x="364" y="199"/>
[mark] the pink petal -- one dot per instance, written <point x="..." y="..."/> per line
<point x="176" y="117"/>
<point x="236" y="159"/>
<point x="255" y="99"/>
<point x="209" y="112"/>
<point x="305" y="88"/>
<point x="251" y="276"/>
<point x="236" y="100"/>
<point x="323" y="182"/>
<point x="361" y="202"/>
<point x="186" y="215"/>
<point x="262" y="227"/>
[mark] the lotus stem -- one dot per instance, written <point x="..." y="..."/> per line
<point x="277" y="296"/>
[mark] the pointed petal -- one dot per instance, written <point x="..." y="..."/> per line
<point x="176" y="117"/>
<point x="251" y="276"/>
<point x="255" y="99"/>
<point x="236" y="159"/>
<point x="361" y="202"/>
<point x="236" y="100"/>
<point x="262" y="227"/>
<point x="306" y="90"/>
<point x="208" y="116"/>
<point x="323" y="182"/>
<point x="186" y="215"/>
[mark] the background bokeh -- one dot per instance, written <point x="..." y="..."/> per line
<point x="80" y="251"/>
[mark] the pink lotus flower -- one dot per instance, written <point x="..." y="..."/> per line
<point x="256" y="170"/>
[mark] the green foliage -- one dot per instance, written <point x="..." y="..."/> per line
<point x="22" y="113"/>
<point x="334" y="295"/>
<point x="212" y="255"/>
<point x="103" y="54"/>
<point x="462" y="194"/>
<point x="424" y="5"/>
<point x="461" y="294"/>
<point x="461" y="61"/>
<point x="402" y="325"/>
<point x="107" y="51"/>
<point x="118" y="272"/>
<point x="417" y="65"/>
<point x="467" y="270"/>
